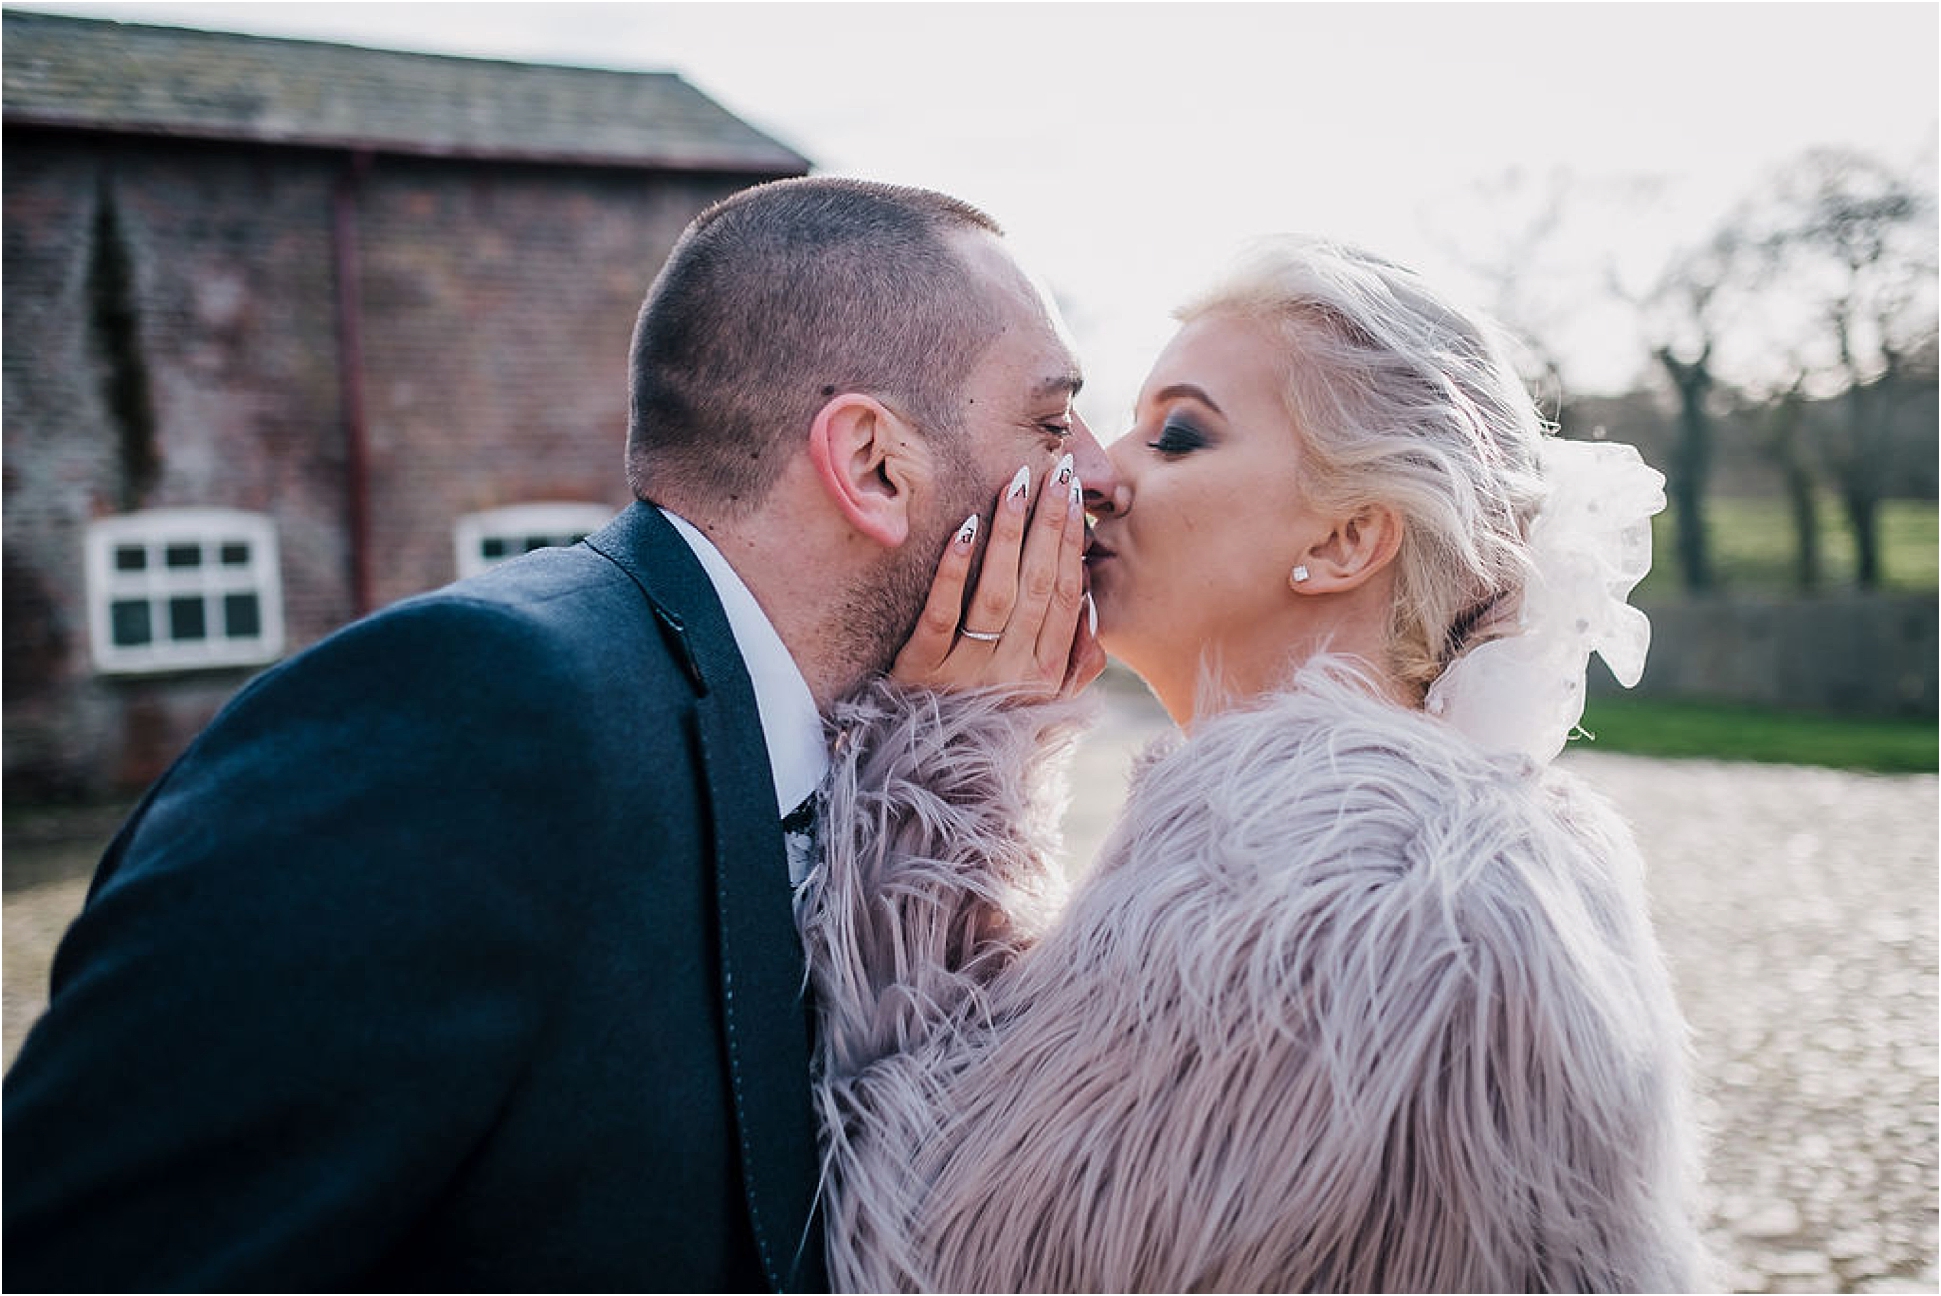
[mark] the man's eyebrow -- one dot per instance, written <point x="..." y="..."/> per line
<point x="1068" y="383"/>
<point x="1191" y="392"/>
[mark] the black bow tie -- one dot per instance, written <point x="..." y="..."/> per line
<point x="798" y="835"/>
<point x="802" y="818"/>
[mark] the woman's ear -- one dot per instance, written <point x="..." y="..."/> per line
<point x="1355" y="550"/>
<point x="865" y="458"/>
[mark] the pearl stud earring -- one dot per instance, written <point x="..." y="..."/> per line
<point x="1298" y="575"/>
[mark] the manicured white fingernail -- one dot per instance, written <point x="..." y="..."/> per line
<point x="1078" y="497"/>
<point x="967" y="532"/>
<point x="1021" y="484"/>
<point x="1064" y="470"/>
<point x="1092" y="612"/>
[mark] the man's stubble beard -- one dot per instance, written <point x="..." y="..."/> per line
<point x="882" y="609"/>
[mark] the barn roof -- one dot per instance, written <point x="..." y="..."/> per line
<point x="88" y="74"/>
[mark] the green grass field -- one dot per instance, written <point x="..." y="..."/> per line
<point x="1752" y="548"/>
<point x="1648" y="727"/>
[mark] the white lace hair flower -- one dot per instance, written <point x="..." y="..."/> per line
<point x="1590" y="546"/>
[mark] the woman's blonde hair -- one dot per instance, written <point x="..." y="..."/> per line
<point x="1402" y="399"/>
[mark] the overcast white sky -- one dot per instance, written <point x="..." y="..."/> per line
<point x="1130" y="147"/>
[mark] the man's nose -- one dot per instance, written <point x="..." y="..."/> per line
<point x="1103" y="490"/>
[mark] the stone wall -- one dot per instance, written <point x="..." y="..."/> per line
<point x="1850" y="654"/>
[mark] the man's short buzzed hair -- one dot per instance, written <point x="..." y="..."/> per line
<point x="783" y="295"/>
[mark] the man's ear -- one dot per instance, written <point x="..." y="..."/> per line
<point x="865" y="456"/>
<point x="1356" y="549"/>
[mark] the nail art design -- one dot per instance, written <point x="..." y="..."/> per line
<point x="1021" y="484"/>
<point x="1064" y="470"/>
<point x="967" y="532"/>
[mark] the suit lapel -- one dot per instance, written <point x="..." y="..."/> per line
<point x="762" y="974"/>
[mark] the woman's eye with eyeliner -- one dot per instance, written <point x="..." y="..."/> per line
<point x="1059" y="430"/>
<point x="1177" y="438"/>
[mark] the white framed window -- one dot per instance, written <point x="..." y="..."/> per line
<point x="495" y="535"/>
<point x="182" y="589"/>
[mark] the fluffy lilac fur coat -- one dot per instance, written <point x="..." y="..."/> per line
<point x="1344" y="1005"/>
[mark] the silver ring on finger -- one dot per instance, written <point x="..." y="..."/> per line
<point x="981" y="636"/>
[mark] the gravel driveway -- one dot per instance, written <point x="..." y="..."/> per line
<point x="1798" y="910"/>
<point x="1797" y="907"/>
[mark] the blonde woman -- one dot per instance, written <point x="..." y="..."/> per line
<point x="1362" y="994"/>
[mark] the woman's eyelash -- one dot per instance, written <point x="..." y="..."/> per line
<point x="1177" y="438"/>
<point x="1057" y="429"/>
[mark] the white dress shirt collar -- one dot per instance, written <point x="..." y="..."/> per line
<point x="798" y="755"/>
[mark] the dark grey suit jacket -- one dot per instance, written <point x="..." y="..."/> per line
<point x="456" y="953"/>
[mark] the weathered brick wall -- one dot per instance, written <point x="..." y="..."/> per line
<point x="218" y="262"/>
<point x="497" y="304"/>
<point x="57" y="455"/>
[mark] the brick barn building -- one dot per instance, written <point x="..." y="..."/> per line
<point x="293" y="330"/>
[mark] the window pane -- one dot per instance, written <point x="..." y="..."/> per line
<point x="241" y="617"/>
<point x="185" y="618"/>
<point x="129" y="621"/>
<point x="182" y="589"/>
<point x="492" y="547"/>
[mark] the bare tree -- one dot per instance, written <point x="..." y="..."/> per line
<point x="1783" y="419"/>
<point x="1856" y="240"/>
<point x="1681" y="314"/>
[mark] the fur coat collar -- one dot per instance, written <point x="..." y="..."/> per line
<point x="1343" y="1005"/>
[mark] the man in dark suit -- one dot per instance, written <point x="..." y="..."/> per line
<point x="457" y="952"/>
